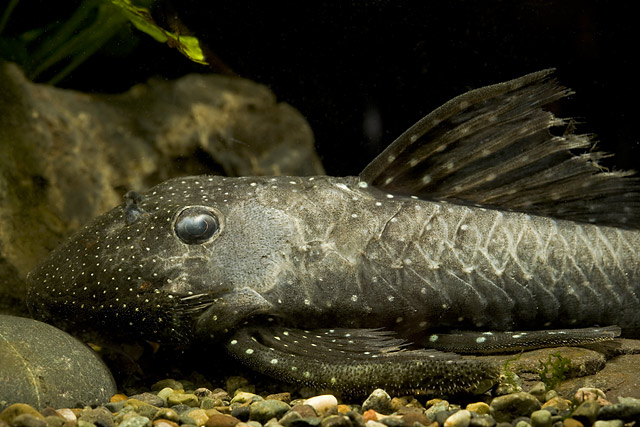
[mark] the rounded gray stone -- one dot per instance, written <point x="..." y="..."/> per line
<point x="392" y="422"/>
<point x="458" y="419"/>
<point x="99" y="416"/>
<point x="511" y="406"/>
<point x="263" y="411"/>
<point x="43" y="366"/>
<point x="627" y="410"/>
<point x="336" y="421"/>
<point x="28" y="420"/>
<point x="135" y="421"/>
<point x="380" y="401"/>
<point x="54" y="421"/>
<point x="150" y="398"/>
<point x="290" y="418"/>
<point x="610" y="423"/>
<point x="541" y="418"/>
<point x="587" y="412"/>
<point x="482" y="421"/>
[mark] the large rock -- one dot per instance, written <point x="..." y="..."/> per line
<point x="66" y="157"/>
<point x="44" y="366"/>
<point x="617" y="379"/>
<point x="608" y="366"/>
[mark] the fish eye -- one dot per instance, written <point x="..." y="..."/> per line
<point x="196" y="225"/>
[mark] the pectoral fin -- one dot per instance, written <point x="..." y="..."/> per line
<point x="217" y="315"/>
<point x="357" y="361"/>
<point x="502" y="342"/>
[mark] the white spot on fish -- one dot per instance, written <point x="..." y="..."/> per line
<point x="480" y="340"/>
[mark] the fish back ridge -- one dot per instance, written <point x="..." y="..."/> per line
<point x="497" y="146"/>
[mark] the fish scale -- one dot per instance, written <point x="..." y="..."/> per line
<point x="476" y="231"/>
<point x="489" y="264"/>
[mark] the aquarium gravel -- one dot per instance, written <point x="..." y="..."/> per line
<point x="172" y="403"/>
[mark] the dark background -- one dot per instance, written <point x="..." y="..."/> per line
<point x="364" y="71"/>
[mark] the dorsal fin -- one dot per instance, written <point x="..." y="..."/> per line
<point x="493" y="146"/>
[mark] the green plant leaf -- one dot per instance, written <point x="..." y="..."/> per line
<point x="553" y="372"/>
<point x="142" y="20"/>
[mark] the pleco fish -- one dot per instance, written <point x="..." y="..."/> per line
<point x="476" y="231"/>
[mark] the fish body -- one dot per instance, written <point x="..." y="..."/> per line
<point x="377" y="262"/>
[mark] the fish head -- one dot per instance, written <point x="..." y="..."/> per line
<point x="149" y="268"/>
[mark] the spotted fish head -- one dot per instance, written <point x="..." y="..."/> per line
<point x="150" y="267"/>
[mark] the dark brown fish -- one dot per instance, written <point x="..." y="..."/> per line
<point x="477" y="230"/>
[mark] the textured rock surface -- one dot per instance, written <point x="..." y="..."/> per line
<point x="618" y="379"/>
<point x="44" y="366"/>
<point x="66" y="157"/>
<point x="608" y="366"/>
<point x="583" y="362"/>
